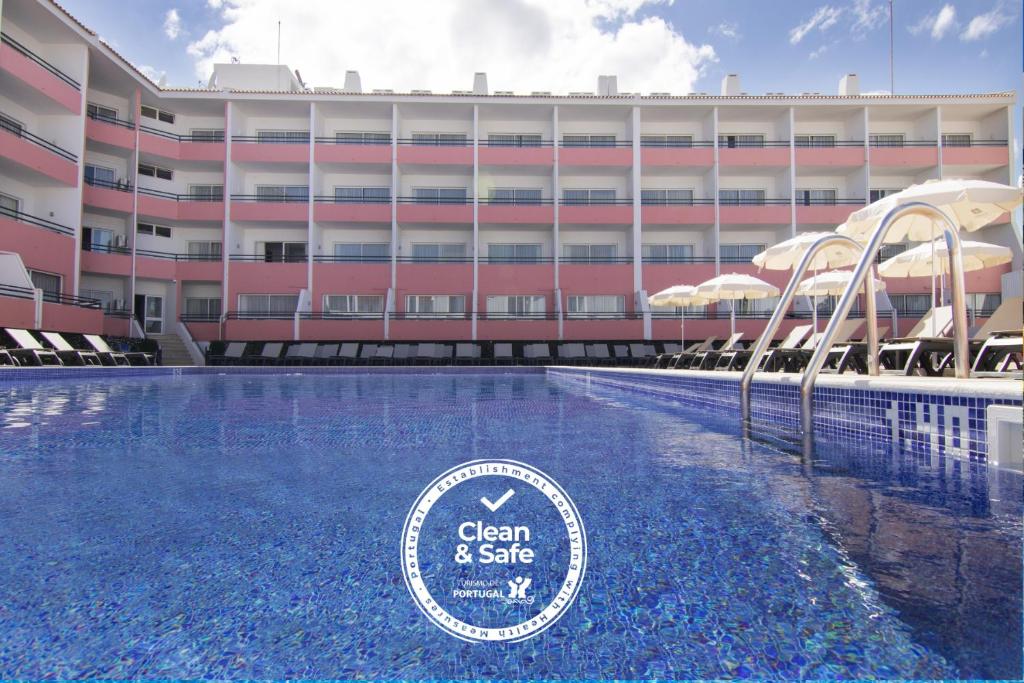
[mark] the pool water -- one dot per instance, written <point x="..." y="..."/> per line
<point x="249" y="525"/>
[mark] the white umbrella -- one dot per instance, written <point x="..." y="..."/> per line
<point x="972" y="204"/>
<point x="787" y="254"/>
<point x="832" y="283"/>
<point x="679" y="296"/>
<point x="917" y="262"/>
<point x="733" y="287"/>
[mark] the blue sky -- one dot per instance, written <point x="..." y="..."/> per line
<point x="791" y="46"/>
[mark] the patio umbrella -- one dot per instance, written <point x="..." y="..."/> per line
<point x="787" y="254"/>
<point x="680" y="296"/>
<point x="922" y="260"/>
<point x="733" y="287"/>
<point x="831" y="283"/>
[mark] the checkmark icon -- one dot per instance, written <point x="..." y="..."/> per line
<point x="493" y="507"/>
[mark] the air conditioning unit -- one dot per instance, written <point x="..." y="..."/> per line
<point x="581" y="93"/>
<point x="541" y="93"/>
<point x="421" y="92"/>
<point x="117" y="304"/>
<point x="119" y="240"/>
<point x="383" y="91"/>
<point x="661" y="94"/>
<point x="462" y="92"/>
<point x="504" y="92"/>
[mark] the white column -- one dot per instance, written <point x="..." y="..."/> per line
<point x="394" y="220"/>
<point x="557" y="203"/>
<point x="227" y="245"/>
<point x="717" y="235"/>
<point x="638" y="274"/>
<point x="476" y="218"/>
<point x="867" y="159"/>
<point x="133" y="175"/>
<point x="313" y="180"/>
<point x="938" y="137"/>
<point x="792" y="172"/>
<point x="76" y="277"/>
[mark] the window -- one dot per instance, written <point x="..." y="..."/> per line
<point x="158" y="114"/>
<point x="156" y="172"/>
<point x="100" y="175"/>
<point x="207" y="135"/>
<point x="983" y="304"/>
<point x="362" y="251"/>
<point x="878" y="193"/>
<point x="596" y="306"/>
<point x="751" y="306"/>
<point x="442" y="139"/>
<point x="513" y="253"/>
<point x="439" y="252"/>
<point x="105" y="297"/>
<point x="514" y="195"/>
<point x="363" y="195"/>
<point x="10" y="125"/>
<point x="741" y="197"/>
<point x="514" y="139"/>
<point x="739" y="253"/>
<point x="911" y="304"/>
<point x="9" y="205"/>
<point x="439" y="195"/>
<point x="956" y="139"/>
<point x="281" y="252"/>
<point x="887" y="251"/>
<point x="150" y="229"/>
<point x="204" y="251"/>
<point x="666" y="141"/>
<point x="282" y="137"/>
<point x="667" y="253"/>
<point x="100" y="112"/>
<point x="202" y="308"/>
<point x="666" y="197"/>
<point x="97" y="239"/>
<point x="282" y="193"/>
<point x="206" y="193"/>
<point x="435" y="305"/>
<point x="814" y="140"/>
<point x="746" y="140"/>
<point x="362" y="138"/>
<point x="582" y="196"/>
<point x="588" y="141"/>
<point x="354" y="305"/>
<point x="268" y="305"/>
<point x="886" y="140"/>
<point x="48" y="282"/>
<point x="516" y="306"/>
<point x="815" y="197"/>
<point x="589" y="253"/>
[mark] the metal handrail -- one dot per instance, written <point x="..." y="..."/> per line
<point x="119" y="185"/>
<point x="903" y="143"/>
<point x="217" y="137"/>
<point x="511" y="201"/>
<point x="427" y="142"/>
<point x="752" y="144"/>
<point x="264" y="258"/>
<point x="273" y="199"/>
<point x="104" y="248"/>
<point x="271" y="139"/>
<point x="829" y="144"/>
<point x="457" y="201"/>
<point x="112" y="120"/>
<point x="863" y="272"/>
<point x="650" y="201"/>
<point x="181" y="197"/>
<point x="172" y="256"/>
<point x="342" y="141"/>
<point x="663" y="260"/>
<point x="333" y="258"/>
<point x="36" y="221"/>
<point x="18" y="47"/>
<point x="598" y="144"/>
<point x="16" y="292"/>
<point x="36" y="140"/>
<point x="334" y="199"/>
<point x="678" y="145"/>
<point x="576" y="260"/>
<point x="761" y="345"/>
<point x="836" y="201"/>
<point x="754" y="202"/>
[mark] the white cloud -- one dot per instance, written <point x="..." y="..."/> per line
<point x="214" y="4"/>
<point x="986" y="24"/>
<point x="523" y="45"/>
<point x="151" y="73"/>
<point x="172" y="24"/>
<point x="726" y="29"/>
<point x="824" y="18"/>
<point x="938" y="24"/>
<point x="868" y="16"/>
<point x="817" y="53"/>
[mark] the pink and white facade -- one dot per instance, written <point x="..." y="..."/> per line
<point x="259" y="209"/>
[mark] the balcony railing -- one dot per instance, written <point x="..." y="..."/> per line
<point x="105" y="248"/>
<point x="274" y="139"/>
<point x="903" y="143"/>
<point x="975" y="143"/>
<point x="199" y="317"/>
<point x="112" y="120"/>
<point x="749" y="144"/>
<point x="517" y="260"/>
<point x="404" y="315"/>
<point x="540" y="315"/>
<point x="677" y="144"/>
<point x="265" y="258"/>
<point x="23" y="217"/>
<point x="187" y="197"/>
<point x="656" y="201"/>
<point x="333" y="140"/>
<point x="595" y="143"/>
<point x="338" y="315"/>
<point x="435" y="200"/>
<point x="334" y="199"/>
<point x="213" y="136"/>
<point x="817" y="144"/>
<point x="170" y="256"/>
<point x="36" y="140"/>
<point x="259" y="315"/>
<point x="18" y="47"/>
<point x="678" y="259"/>
<point x="434" y="259"/>
<point x="516" y="201"/>
<point x="834" y="201"/>
<point x="119" y="185"/>
<point x="595" y="202"/>
<point x="70" y="300"/>
<point x="279" y="199"/>
<point x="120" y="313"/>
<point x="334" y="258"/>
<point x="753" y="202"/>
<point x="516" y="143"/>
<point x="604" y="315"/>
<point x="17" y="292"/>
<point x="575" y="260"/>
<point x="429" y="142"/>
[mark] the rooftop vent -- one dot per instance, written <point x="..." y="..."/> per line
<point x="541" y="93"/>
<point x="352" y="82"/>
<point x="504" y="92"/>
<point x="607" y="85"/>
<point x="462" y="92"/>
<point x="480" y="83"/>
<point x="383" y="91"/>
<point x="661" y="94"/>
<point x="849" y="85"/>
<point x="581" y="93"/>
<point x="731" y="85"/>
<point x="421" y="92"/>
<point x="811" y="94"/>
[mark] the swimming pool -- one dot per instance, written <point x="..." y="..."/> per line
<point x="248" y="525"/>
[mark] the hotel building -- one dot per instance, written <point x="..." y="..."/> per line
<point x="260" y="209"/>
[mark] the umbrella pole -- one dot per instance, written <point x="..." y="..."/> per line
<point x="682" y="327"/>
<point x="732" y="317"/>
<point x="814" y="312"/>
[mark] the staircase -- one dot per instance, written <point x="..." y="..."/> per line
<point x="172" y="349"/>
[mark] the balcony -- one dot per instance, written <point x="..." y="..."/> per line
<point x="676" y="155"/>
<point x="111" y="196"/>
<point x="162" y="265"/>
<point x="67" y="313"/>
<point x="611" y="153"/>
<point x="837" y="154"/>
<point x="827" y="212"/>
<point x="270" y="150"/>
<point x="107" y="260"/>
<point x="435" y="210"/>
<point x="988" y="153"/>
<point x="515" y="211"/>
<point x="110" y="130"/>
<point x="668" y="212"/>
<point x="435" y="275"/>
<point x="332" y="208"/>
<point x="775" y="211"/>
<point x="252" y="207"/>
<point x="538" y="154"/>
<point x="34" y="74"/>
<point x="42" y="244"/>
<point x="907" y="154"/>
<point x="35" y="221"/>
<point x="36" y="156"/>
<point x="183" y="207"/>
<point x="769" y="153"/>
<point x="435" y="153"/>
<point x="198" y="147"/>
<point x="341" y="150"/>
<point x="602" y="212"/>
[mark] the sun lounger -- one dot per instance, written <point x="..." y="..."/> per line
<point x="111" y="357"/>
<point x="232" y="354"/>
<point x="851" y="355"/>
<point x="30" y="351"/>
<point x="270" y="354"/>
<point x="913" y="353"/>
<point x="621" y="355"/>
<point x="737" y="359"/>
<point x="467" y="354"/>
<point x="797" y="360"/>
<point x="402" y="354"/>
<point x="425" y="353"/>
<point x="537" y="354"/>
<point x="348" y="354"/>
<point x="69" y="354"/>
<point x="707" y="359"/>
<point x="503" y="354"/>
<point x="325" y="353"/>
<point x="366" y="354"/>
<point x="995" y="347"/>
<point x="571" y="354"/>
<point x="683" y="359"/>
<point x="598" y="354"/>
<point x="443" y="354"/>
<point x="300" y="354"/>
<point x="7" y="359"/>
<point x="385" y="354"/>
